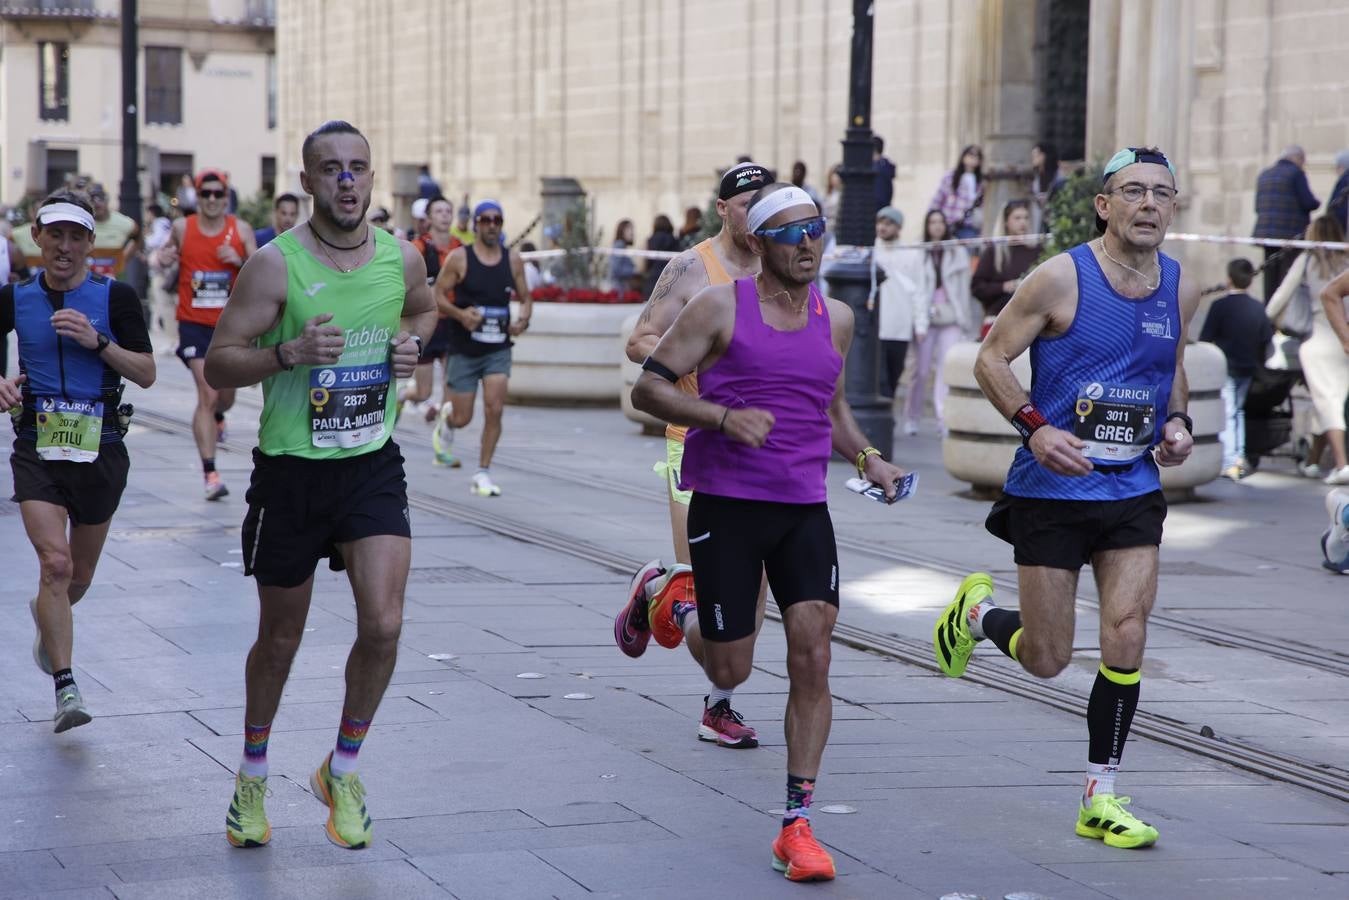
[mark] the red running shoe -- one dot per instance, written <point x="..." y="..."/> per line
<point x="631" y="630"/>
<point x="725" y="726"/>
<point x="674" y="586"/>
<point x="799" y="856"/>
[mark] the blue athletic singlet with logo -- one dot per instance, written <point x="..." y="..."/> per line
<point x="1107" y="379"/>
<point x="58" y="368"/>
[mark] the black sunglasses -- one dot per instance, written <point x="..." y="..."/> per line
<point x="209" y="194"/>
<point x="489" y="220"/>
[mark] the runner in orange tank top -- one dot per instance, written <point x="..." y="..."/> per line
<point x="660" y="601"/>
<point x="210" y="247"/>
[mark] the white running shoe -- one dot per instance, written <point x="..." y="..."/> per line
<point x="442" y="440"/>
<point x="1309" y="470"/>
<point x="910" y="428"/>
<point x="483" y="485"/>
<point x="1338" y="476"/>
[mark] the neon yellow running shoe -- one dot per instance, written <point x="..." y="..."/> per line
<point x="951" y="638"/>
<point x="246" y="822"/>
<point x="1107" y="819"/>
<point x="344" y="795"/>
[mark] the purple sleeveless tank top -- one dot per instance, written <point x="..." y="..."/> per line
<point x="791" y="374"/>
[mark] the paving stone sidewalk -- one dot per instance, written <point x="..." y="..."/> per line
<point x="486" y="785"/>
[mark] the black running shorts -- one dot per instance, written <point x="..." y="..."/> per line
<point x="732" y="542"/>
<point x="89" y="491"/>
<point x="300" y="509"/>
<point x="1065" y="534"/>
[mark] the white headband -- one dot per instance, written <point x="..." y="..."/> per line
<point x="775" y="203"/>
<point x="65" y="212"/>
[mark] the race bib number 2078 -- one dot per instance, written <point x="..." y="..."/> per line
<point x="347" y="404"/>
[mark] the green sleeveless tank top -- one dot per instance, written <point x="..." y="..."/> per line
<point x="345" y="409"/>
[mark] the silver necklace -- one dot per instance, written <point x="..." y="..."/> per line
<point x="1146" y="286"/>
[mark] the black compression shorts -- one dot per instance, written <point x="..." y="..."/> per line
<point x="1065" y="534"/>
<point x="300" y="509"/>
<point x="732" y="542"/>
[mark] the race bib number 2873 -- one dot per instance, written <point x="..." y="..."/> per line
<point x="347" y="404"/>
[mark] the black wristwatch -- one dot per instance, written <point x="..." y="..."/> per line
<point x="1186" y="420"/>
<point x="103" y="342"/>
<point x="420" y="349"/>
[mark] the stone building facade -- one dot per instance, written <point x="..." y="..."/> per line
<point x="642" y="102"/>
<point x="207" y="73"/>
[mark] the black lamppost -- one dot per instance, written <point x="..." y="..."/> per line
<point x="850" y="276"/>
<point x="129" y="191"/>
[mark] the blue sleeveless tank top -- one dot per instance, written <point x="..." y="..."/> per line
<point x="1107" y="379"/>
<point x="58" y="367"/>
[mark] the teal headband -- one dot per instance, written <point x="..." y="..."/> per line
<point x="1130" y="155"/>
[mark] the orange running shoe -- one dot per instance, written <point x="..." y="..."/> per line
<point x="675" y="585"/>
<point x="799" y="856"/>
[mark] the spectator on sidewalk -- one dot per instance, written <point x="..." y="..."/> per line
<point x="799" y="179"/>
<point x="960" y="196"/>
<point x="1325" y="365"/>
<point x="901" y="315"/>
<point x="833" y="197"/>
<point x="1045" y="182"/>
<point x="944" y="290"/>
<point x="1002" y="266"/>
<point x="1284" y="203"/>
<point x="693" y="226"/>
<point x="1237" y="324"/>
<point x="427" y="187"/>
<point x="662" y="239"/>
<point x="622" y="268"/>
<point x="885" y="172"/>
<point x="1337" y="207"/>
<point x="534" y="277"/>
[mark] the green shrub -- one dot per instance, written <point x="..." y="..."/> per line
<point x="1070" y="217"/>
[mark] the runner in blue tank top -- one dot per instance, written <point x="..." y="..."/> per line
<point x="1105" y="324"/>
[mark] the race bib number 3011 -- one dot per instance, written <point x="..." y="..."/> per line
<point x="69" y="430"/>
<point x="347" y="404"/>
<point x="1115" y="421"/>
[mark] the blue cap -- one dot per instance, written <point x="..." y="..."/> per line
<point x="487" y="206"/>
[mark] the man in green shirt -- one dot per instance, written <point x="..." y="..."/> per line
<point x="326" y="316"/>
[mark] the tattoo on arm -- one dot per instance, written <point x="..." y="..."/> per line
<point x="672" y="272"/>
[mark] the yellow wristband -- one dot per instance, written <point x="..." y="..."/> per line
<point x="862" y="460"/>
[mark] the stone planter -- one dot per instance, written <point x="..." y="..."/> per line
<point x="980" y="443"/>
<point x="570" y="354"/>
<point x="650" y="424"/>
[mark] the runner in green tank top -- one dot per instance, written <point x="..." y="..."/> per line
<point x="326" y="316"/>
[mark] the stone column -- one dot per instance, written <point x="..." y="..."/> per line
<point x="1104" y="59"/>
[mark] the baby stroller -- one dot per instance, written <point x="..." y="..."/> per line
<point x="1269" y="407"/>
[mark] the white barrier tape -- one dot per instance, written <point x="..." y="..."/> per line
<point x="973" y="242"/>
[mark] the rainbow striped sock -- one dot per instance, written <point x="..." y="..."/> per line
<point x="349" y="739"/>
<point x="254" y="764"/>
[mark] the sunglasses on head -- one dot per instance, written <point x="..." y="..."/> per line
<point x="489" y="220"/>
<point x="210" y="193"/>
<point x="796" y="232"/>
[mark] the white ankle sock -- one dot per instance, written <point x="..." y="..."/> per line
<point x="1100" y="780"/>
<point x="715" y="695"/>
<point x="976" y="618"/>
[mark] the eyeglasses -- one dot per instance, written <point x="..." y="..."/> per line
<point x="208" y="195"/>
<point x="489" y="220"/>
<point x="1134" y="193"/>
<point x="796" y="232"/>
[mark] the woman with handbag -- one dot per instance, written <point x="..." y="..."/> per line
<point x="944" y="281"/>
<point x="1325" y="365"/>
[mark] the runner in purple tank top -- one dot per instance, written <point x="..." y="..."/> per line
<point x="769" y="355"/>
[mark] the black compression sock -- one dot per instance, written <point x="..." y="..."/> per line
<point x="208" y="466"/>
<point x="1110" y="712"/>
<point x="1002" y="627"/>
<point x="63" y="678"/>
